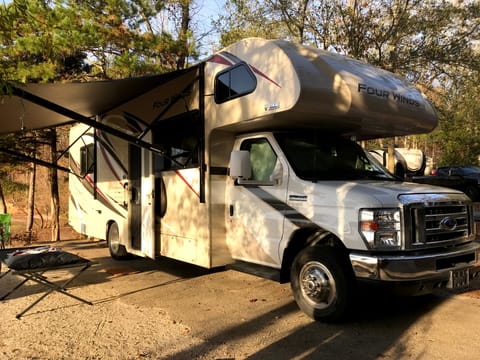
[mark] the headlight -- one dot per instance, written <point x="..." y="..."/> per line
<point x="381" y="228"/>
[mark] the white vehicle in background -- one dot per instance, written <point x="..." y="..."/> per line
<point x="249" y="159"/>
<point x="407" y="162"/>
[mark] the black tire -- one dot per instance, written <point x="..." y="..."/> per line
<point x="117" y="250"/>
<point x="322" y="283"/>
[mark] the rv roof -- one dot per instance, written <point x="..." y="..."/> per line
<point x="302" y="86"/>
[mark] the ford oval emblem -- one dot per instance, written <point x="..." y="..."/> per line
<point x="448" y="223"/>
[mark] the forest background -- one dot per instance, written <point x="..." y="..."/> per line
<point x="435" y="44"/>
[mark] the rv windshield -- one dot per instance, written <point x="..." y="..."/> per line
<point x="314" y="156"/>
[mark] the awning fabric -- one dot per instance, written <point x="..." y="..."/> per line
<point x="18" y="112"/>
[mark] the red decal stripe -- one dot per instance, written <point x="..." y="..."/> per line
<point x="218" y="59"/>
<point x="186" y="183"/>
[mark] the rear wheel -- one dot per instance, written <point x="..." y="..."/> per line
<point x="322" y="283"/>
<point x="117" y="250"/>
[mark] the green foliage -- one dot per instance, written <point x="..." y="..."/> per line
<point x="61" y="40"/>
<point x="249" y="18"/>
<point x="459" y="132"/>
<point x="10" y="187"/>
<point x="34" y="46"/>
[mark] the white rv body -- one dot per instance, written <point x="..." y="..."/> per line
<point x="96" y="194"/>
<point x="226" y="190"/>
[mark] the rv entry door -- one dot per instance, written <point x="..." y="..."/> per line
<point x="141" y="203"/>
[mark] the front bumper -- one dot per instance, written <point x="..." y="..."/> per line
<point x="436" y="266"/>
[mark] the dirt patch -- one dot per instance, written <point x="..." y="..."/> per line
<point x="60" y="327"/>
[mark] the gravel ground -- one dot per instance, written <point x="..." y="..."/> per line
<point x="169" y="310"/>
<point x="60" y="327"/>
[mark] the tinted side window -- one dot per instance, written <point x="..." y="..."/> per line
<point x="86" y="159"/>
<point x="181" y="139"/>
<point x="234" y="82"/>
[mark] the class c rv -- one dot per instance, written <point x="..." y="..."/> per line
<point x="251" y="160"/>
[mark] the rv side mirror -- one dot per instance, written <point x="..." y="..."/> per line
<point x="240" y="166"/>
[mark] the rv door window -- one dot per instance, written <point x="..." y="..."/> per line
<point x="86" y="159"/>
<point x="234" y="82"/>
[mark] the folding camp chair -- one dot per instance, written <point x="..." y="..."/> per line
<point x="5" y="222"/>
<point x="33" y="265"/>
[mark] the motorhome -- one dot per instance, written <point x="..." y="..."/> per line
<point x="251" y="160"/>
<point x="408" y="162"/>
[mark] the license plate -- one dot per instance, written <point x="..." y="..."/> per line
<point x="459" y="279"/>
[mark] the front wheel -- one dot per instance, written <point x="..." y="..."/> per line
<point x="117" y="250"/>
<point x="322" y="283"/>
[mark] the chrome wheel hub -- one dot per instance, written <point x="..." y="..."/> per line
<point x="317" y="284"/>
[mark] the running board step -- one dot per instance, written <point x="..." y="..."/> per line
<point x="262" y="271"/>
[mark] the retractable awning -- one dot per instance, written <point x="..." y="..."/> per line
<point x="36" y="106"/>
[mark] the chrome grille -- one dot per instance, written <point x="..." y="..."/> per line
<point x="436" y="224"/>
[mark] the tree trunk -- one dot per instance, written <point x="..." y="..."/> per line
<point x="31" y="202"/>
<point x="55" y="201"/>
<point x="391" y="156"/>
<point x="183" y="36"/>
<point x="3" y="204"/>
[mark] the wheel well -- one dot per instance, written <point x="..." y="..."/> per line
<point x="303" y="238"/>
<point x="107" y="228"/>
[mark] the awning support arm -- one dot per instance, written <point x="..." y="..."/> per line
<point x="83" y="119"/>
<point x="80" y="137"/>
<point x="34" y="160"/>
